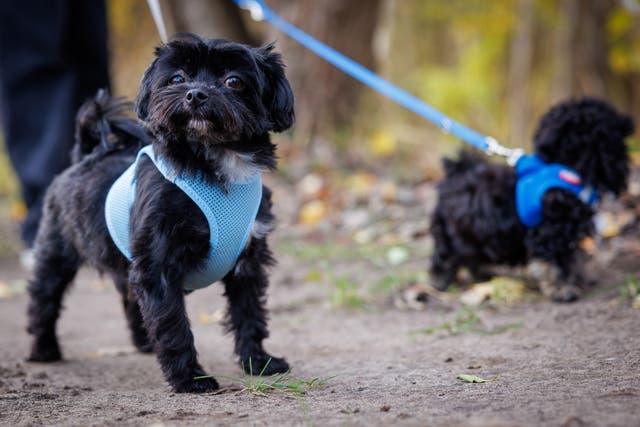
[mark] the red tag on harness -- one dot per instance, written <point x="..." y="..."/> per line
<point x="570" y="177"/>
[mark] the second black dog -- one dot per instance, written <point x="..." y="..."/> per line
<point x="476" y="225"/>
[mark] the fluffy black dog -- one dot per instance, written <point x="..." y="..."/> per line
<point x="475" y="223"/>
<point x="207" y="107"/>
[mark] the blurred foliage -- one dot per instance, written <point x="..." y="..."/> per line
<point x="454" y="55"/>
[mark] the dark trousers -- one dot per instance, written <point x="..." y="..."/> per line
<point x="53" y="56"/>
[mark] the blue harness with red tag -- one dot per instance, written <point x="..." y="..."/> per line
<point x="536" y="177"/>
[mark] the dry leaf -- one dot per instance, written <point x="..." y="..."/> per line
<point x="313" y="212"/>
<point x="382" y="143"/>
<point x="209" y="318"/>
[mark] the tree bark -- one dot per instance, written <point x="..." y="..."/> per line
<point x="326" y="98"/>
<point x="209" y="18"/>
<point x="519" y="71"/>
<point x="562" y="81"/>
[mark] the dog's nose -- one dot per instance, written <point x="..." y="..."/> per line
<point x="196" y="97"/>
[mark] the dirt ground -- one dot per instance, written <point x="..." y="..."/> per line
<point x="334" y="318"/>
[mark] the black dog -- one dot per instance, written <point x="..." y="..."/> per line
<point x="475" y="223"/>
<point x="207" y="107"/>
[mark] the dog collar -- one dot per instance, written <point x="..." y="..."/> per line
<point x="230" y="215"/>
<point x="535" y="178"/>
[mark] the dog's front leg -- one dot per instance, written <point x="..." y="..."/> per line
<point x="159" y="293"/>
<point x="245" y="288"/>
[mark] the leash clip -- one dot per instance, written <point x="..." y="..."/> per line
<point x="494" y="148"/>
<point x="254" y="7"/>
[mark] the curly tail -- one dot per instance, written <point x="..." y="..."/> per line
<point x="103" y="123"/>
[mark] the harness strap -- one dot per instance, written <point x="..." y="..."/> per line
<point x="230" y="215"/>
<point x="260" y="11"/>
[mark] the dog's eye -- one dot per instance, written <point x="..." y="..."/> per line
<point x="176" y="79"/>
<point x="234" y="83"/>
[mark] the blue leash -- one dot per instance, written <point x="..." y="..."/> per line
<point x="259" y="11"/>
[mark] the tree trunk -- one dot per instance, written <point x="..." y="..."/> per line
<point x="209" y="18"/>
<point x="562" y="81"/>
<point x="591" y="66"/>
<point x="326" y="98"/>
<point x="519" y="70"/>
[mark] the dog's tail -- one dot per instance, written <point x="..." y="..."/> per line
<point x="467" y="160"/>
<point x="103" y="123"/>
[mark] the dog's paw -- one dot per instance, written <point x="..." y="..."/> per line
<point x="565" y="294"/>
<point x="264" y="364"/>
<point x="45" y="353"/>
<point x="196" y="385"/>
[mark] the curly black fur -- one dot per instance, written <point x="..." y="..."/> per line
<point x="224" y="137"/>
<point x="475" y="223"/>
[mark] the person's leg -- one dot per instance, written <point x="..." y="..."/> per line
<point x="36" y="95"/>
<point x="87" y="44"/>
<point x="41" y="88"/>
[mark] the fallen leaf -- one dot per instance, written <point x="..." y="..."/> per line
<point x="15" y="287"/>
<point x="310" y="186"/>
<point x="382" y="143"/>
<point x="477" y="294"/>
<point x="588" y="244"/>
<point x="397" y="255"/>
<point x="361" y="184"/>
<point x="313" y="212"/>
<point x="5" y="291"/>
<point x="313" y="276"/>
<point x="474" y="378"/>
<point x="609" y="224"/>
<point x="209" y="318"/>
<point x="499" y="289"/>
<point x="17" y="211"/>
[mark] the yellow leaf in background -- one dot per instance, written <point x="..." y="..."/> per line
<point x="208" y="318"/>
<point x="17" y="210"/>
<point x="610" y="224"/>
<point x="477" y="294"/>
<point x="382" y="143"/>
<point x="635" y="157"/>
<point x="313" y="276"/>
<point x="397" y="255"/>
<point x="5" y="290"/>
<point x="588" y="245"/>
<point x="361" y="184"/>
<point x="13" y="288"/>
<point x="310" y="186"/>
<point x="389" y="191"/>
<point x="498" y="289"/>
<point x="313" y="212"/>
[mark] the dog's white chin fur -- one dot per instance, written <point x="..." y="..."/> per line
<point x="198" y="126"/>
<point x="238" y="167"/>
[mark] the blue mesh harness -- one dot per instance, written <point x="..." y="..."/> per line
<point x="535" y="178"/>
<point x="230" y="215"/>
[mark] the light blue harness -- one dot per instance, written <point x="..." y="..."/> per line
<point x="535" y="178"/>
<point x="230" y="215"/>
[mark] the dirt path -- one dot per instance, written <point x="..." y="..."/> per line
<point x="556" y="365"/>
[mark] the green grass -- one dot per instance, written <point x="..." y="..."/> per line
<point x="345" y="293"/>
<point x="630" y="290"/>
<point x="467" y="320"/>
<point x="284" y="382"/>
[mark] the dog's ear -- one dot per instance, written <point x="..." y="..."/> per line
<point x="142" y="100"/>
<point x="627" y="126"/>
<point x="278" y="96"/>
